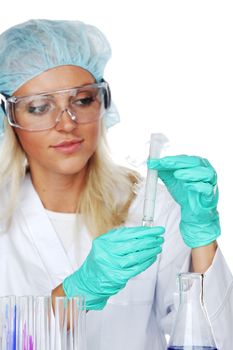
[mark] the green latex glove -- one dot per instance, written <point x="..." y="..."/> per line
<point x="115" y="257"/>
<point x="192" y="182"/>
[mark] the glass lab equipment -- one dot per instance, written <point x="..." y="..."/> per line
<point x="25" y="314"/>
<point x="192" y="329"/>
<point x="157" y="142"/>
<point x="42" y="324"/>
<point x="28" y="323"/>
<point x="70" y="323"/>
<point x="25" y="323"/>
<point x="7" y="323"/>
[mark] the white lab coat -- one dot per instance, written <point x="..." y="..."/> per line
<point x="33" y="261"/>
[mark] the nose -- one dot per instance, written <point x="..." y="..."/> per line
<point x="72" y="116"/>
<point x="68" y="122"/>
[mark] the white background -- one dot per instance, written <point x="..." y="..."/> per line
<point x="171" y="72"/>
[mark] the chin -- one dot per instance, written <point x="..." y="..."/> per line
<point x="72" y="168"/>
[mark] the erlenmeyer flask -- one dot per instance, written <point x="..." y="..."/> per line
<point x="192" y="329"/>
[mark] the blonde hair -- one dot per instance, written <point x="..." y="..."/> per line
<point x="12" y="160"/>
<point x="107" y="194"/>
<point x="106" y="205"/>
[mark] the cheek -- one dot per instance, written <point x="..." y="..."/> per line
<point x="92" y="135"/>
<point x="29" y="142"/>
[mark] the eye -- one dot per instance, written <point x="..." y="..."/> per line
<point x="38" y="109"/>
<point x="85" y="101"/>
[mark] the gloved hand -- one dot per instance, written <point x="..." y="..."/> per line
<point x="192" y="182"/>
<point x="115" y="257"/>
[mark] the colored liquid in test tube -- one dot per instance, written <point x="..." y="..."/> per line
<point x="157" y="142"/>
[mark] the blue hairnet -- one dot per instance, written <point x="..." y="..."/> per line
<point x="32" y="47"/>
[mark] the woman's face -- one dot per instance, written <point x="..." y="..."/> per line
<point x="66" y="148"/>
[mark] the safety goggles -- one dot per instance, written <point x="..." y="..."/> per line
<point x="85" y="104"/>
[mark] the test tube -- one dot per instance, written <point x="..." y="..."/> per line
<point x="70" y="323"/>
<point x="5" y="322"/>
<point x="25" y="321"/>
<point x="42" y="324"/>
<point x="157" y="142"/>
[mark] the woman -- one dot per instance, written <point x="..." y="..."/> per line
<point x="71" y="218"/>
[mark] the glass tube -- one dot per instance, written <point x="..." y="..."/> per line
<point x="42" y="319"/>
<point x="5" y="323"/>
<point x="157" y="142"/>
<point x="70" y="323"/>
<point x="8" y="323"/>
<point x="25" y="323"/>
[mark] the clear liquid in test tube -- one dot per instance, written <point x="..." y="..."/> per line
<point x="157" y="142"/>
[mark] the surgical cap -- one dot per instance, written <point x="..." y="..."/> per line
<point x="32" y="47"/>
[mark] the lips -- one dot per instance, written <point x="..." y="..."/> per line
<point x="68" y="146"/>
<point x="67" y="143"/>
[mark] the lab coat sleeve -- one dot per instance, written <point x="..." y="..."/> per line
<point x="218" y="285"/>
<point x="218" y="295"/>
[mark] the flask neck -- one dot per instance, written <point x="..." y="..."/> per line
<point x="191" y="289"/>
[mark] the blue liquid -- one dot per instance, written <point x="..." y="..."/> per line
<point x="191" y="348"/>
<point x="14" y="330"/>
